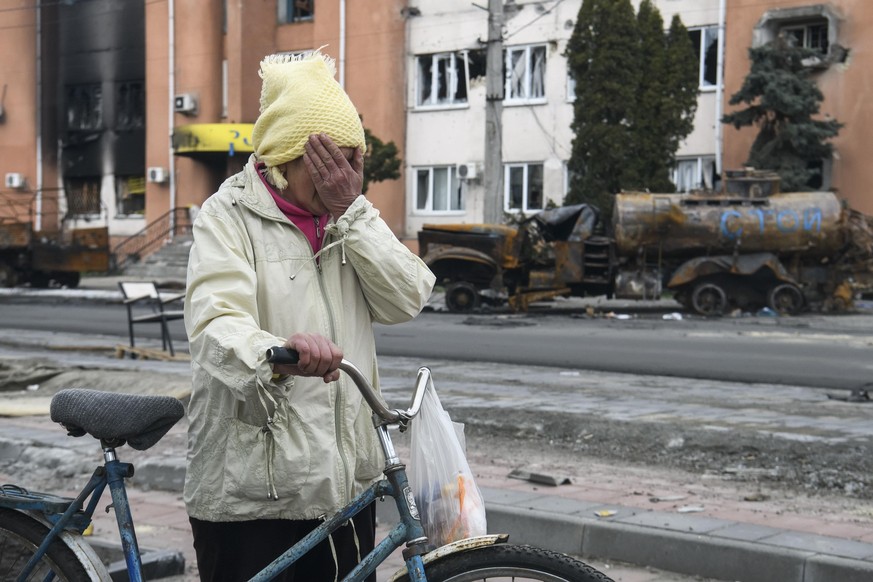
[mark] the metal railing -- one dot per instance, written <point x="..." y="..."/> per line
<point x="131" y="250"/>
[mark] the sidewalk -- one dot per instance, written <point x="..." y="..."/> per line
<point x="607" y="515"/>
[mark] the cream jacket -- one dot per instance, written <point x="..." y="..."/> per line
<point x="252" y="282"/>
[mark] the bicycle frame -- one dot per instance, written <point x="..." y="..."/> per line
<point x="409" y="530"/>
<point x="74" y="515"/>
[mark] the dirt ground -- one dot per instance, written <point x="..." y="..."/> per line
<point x="569" y="443"/>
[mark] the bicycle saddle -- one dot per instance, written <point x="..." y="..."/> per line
<point x="110" y="416"/>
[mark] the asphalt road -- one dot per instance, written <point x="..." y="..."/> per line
<point x="814" y="351"/>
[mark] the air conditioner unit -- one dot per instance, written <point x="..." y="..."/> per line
<point x="185" y="103"/>
<point x="157" y="175"/>
<point x="14" y="180"/>
<point x="467" y="171"/>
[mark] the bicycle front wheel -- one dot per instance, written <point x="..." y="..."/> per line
<point x="511" y="562"/>
<point x="20" y="536"/>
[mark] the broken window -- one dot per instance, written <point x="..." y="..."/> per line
<point x="815" y="27"/>
<point x="523" y="187"/>
<point x="84" y="107"/>
<point x="296" y="10"/>
<point x="130" y="195"/>
<point x="526" y="73"/>
<point x="810" y="35"/>
<point x="83" y="196"/>
<point x="705" y="42"/>
<point x="442" y="79"/>
<point x="438" y="189"/>
<point x="130" y="106"/>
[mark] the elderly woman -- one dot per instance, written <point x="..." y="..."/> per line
<point x="288" y="252"/>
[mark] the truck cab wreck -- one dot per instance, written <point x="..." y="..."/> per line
<point x="51" y="254"/>
<point x="747" y="247"/>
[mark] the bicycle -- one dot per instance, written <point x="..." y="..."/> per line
<point x="41" y="533"/>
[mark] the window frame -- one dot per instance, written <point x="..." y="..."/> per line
<point x="453" y="183"/>
<point x="125" y="193"/>
<point x="526" y="98"/>
<point x="525" y="195"/>
<point x="457" y="72"/>
<point x="287" y="11"/>
<point x="84" y="196"/>
<point x="702" y="84"/>
<point x="701" y="162"/>
<point x="805" y="28"/>
<point x="774" y="22"/>
<point x="130" y="98"/>
<point x="74" y="107"/>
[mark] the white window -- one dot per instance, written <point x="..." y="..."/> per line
<point x="571" y="87"/>
<point x="523" y="187"/>
<point x="442" y="79"/>
<point x="526" y="73"/>
<point x="812" y="35"/>
<point x="692" y="174"/>
<point x="438" y="189"/>
<point x="705" y="41"/>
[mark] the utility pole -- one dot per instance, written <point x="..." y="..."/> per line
<point x="494" y="88"/>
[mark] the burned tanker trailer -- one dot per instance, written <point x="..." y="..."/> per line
<point x="748" y="247"/>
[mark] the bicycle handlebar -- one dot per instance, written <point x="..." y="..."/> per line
<point x="283" y="355"/>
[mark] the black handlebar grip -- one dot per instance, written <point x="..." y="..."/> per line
<point x="282" y="355"/>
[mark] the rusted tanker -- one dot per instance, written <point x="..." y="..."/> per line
<point x="689" y="225"/>
<point x="747" y="247"/>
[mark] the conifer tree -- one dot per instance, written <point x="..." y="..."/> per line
<point x="380" y="162"/>
<point x="681" y="91"/>
<point x="782" y="99"/>
<point x="636" y="94"/>
<point x="602" y="57"/>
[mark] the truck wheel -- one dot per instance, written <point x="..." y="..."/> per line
<point x="40" y="280"/>
<point x="709" y="299"/>
<point x="785" y="299"/>
<point x="461" y="297"/>
<point x="69" y="279"/>
<point x="8" y="276"/>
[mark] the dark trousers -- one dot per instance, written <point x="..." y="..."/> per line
<point x="235" y="551"/>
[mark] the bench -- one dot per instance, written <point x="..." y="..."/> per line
<point x="145" y="304"/>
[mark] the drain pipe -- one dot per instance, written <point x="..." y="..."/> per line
<point x="342" y="44"/>
<point x="172" y="83"/>
<point x="37" y="223"/>
<point x="719" y="92"/>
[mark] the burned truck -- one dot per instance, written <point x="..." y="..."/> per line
<point x="42" y="257"/>
<point x="747" y="247"/>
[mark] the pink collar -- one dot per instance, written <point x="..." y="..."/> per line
<point x="310" y="225"/>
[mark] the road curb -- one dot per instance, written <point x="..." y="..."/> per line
<point x="684" y="544"/>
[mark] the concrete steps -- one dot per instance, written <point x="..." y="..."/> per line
<point x="169" y="264"/>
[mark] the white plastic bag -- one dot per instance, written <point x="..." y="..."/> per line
<point x="448" y="499"/>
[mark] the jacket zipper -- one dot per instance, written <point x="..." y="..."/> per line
<point x="339" y="392"/>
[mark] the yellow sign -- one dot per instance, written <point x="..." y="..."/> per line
<point x="229" y="138"/>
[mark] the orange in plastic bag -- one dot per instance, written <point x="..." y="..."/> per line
<point x="450" y="503"/>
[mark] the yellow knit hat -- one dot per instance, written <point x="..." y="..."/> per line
<point x="299" y="97"/>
